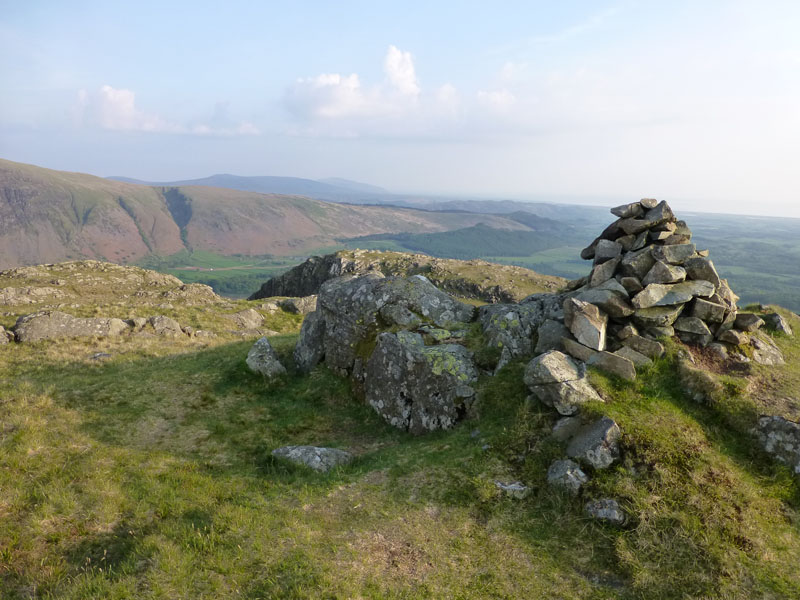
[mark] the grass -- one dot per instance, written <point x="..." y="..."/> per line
<point x="149" y="475"/>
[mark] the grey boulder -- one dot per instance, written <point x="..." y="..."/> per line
<point x="567" y="475"/>
<point x="596" y="444"/>
<point x="262" y="359"/>
<point x="419" y="388"/>
<point x="606" y="510"/>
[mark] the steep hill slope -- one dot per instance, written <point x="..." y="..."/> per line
<point x="47" y="216"/>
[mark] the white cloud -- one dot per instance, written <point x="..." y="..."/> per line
<point x="115" y="109"/>
<point x="399" y="68"/>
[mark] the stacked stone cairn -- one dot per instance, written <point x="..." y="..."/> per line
<point x="648" y="281"/>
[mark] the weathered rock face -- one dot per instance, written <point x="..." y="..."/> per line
<point x="780" y="438"/>
<point x="778" y="323"/>
<point x="319" y="459"/>
<point x="558" y="381"/>
<point x="586" y="322"/>
<point x="419" y="388"/>
<point x="262" y="359"/>
<point x="28" y="295"/>
<point x="513" y="327"/>
<point x="354" y="309"/>
<point x="47" y="325"/>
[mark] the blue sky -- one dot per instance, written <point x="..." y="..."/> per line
<point x="695" y="102"/>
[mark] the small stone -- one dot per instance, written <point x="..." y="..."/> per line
<point x="638" y="359"/>
<point x="567" y="475"/>
<point x="606" y="510"/>
<point x="657" y="316"/>
<point x="634" y="209"/>
<point x="586" y="322"/>
<point x="603" y="272"/>
<point x="627" y="331"/>
<point x="613" y="363"/>
<point x="648" y="202"/>
<point x="262" y="359"/>
<point x="737" y="338"/>
<point x="577" y="350"/>
<point x="100" y="356"/>
<point x="614" y="303"/>
<point x="657" y="294"/>
<point x="644" y="346"/>
<point x="515" y="489"/>
<point x="709" y="312"/>
<point x="596" y="444"/>
<point x="656" y="333"/>
<point x="662" y="272"/>
<point x="748" y="322"/>
<point x="776" y="322"/>
<point x="631" y="284"/>
<point x="606" y="250"/>
<point x="674" y="254"/>
<point x="319" y="459"/>
<point x="702" y="268"/>
<point x="637" y="263"/>
<point x="693" y="330"/>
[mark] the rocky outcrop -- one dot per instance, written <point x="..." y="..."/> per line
<point x="467" y="279"/>
<point x="374" y="329"/>
<point x="262" y="359"/>
<point x="48" y="325"/>
<point x="419" y="388"/>
<point x="10" y="296"/>
<point x="319" y="459"/>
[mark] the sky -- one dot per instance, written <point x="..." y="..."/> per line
<point x="695" y="102"/>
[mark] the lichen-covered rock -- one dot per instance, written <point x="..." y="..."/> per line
<point x="567" y="475"/>
<point x="47" y="325"/>
<point x="658" y="294"/>
<point x="10" y="296"/>
<point x="780" y="437"/>
<point x="512" y="327"/>
<point x="262" y="359"/>
<point x="351" y="307"/>
<point x="596" y="444"/>
<point x="319" y="459"/>
<point x="310" y="348"/>
<point x="419" y="388"/>
<point x="606" y="510"/>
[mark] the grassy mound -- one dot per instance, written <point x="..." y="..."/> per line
<point x="149" y="475"/>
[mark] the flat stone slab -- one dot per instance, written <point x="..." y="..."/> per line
<point x="613" y="363"/>
<point x="320" y="459"/>
<point x="657" y="294"/>
<point x="637" y="358"/>
<point x="649" y="348"/>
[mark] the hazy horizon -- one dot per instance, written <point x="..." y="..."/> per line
<point x="695" y="104"/>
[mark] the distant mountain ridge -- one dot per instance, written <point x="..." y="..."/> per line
<point x="336" y="189"/>
<point x="50" y="216"/>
